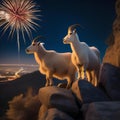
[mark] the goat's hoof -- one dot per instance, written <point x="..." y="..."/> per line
<point x="80" y="78"/>
<point x="51" y="84"/>
<point x="46" y="85"/>
<point x="68" y="87"/>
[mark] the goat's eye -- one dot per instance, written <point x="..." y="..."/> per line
<point x="70" y="33"/>
<point x="33" y="44"/>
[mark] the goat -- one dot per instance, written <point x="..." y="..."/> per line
<point x="53" y="64"/>
<point x="85" y="58"/>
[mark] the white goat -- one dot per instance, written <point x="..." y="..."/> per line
<point x="85" y="58"/>
<point x="53" y="64"/>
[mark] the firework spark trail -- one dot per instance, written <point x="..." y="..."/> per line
<point x="19" y="16"/>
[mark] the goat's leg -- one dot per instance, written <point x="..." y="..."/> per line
<point x="84" y="72"/>
<point x="69" y="84"/>
<point x="49" y="79"/>
<point x="70" y="81"/>
<point x="89" y="75"/>
<point x="79" y="72"/>
<point x="47" y="82"/>
<point x="93" y="77"/>
<point x="96" y="74"/>
<point x="50" y="82"/>
<point x="79" y="75"/>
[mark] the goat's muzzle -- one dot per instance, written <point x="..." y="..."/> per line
<point x="27" y="51"/>
<point x="64" y="41"/>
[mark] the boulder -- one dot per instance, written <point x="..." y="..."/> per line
<point x="42" y="112"/>
<point x="102" y="111"/>
<point x="52" y="114"/>
<point x="55" y="114"/>
<point x="60" y="98"/>
<point x="110" y="80"/>
<point x="85" y="92"/>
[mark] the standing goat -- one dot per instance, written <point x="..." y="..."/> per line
<point x="85" y="58"/>
<point x="53" y="64"/>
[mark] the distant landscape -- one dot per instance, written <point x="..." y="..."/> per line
<point x="13" y="71"/>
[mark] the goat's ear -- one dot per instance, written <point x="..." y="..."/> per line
<point x="38" y="43"/>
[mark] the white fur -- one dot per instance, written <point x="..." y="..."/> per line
<point x="85" y="58"/>
<point x="53" y="64"/>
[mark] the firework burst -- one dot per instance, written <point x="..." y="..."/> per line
<point x="19" y="16"/>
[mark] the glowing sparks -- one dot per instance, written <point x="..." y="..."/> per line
<point x="4" y="15"/>
<point x="19" y="16"/>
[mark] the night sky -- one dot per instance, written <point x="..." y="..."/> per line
<point x="96" y="16"/>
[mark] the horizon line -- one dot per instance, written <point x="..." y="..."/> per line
<point x="8" y="64"/>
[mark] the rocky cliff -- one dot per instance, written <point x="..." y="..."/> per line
<point x="112" y="54"/>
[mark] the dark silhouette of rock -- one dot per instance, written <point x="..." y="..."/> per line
<point x="52" y="114"/>
<point x="10" y="89"/>
<point x="60" y="98"/>
<point x="102" y="111"/>
<point x="110" y="80"/>
<point x="85" y="92"/>
<point x="55" y="114"/>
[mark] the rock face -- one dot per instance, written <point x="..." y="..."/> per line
<point x="63" y="104"/>
<point x="42" y="112"/>
<point x="60" y="98"/>
<point x="110" y="80"/>
<point x="85" y="92"/>
<point x="55" y="114"/>
<point x="110" y="70"/>
<point x="112" y="54"/>
<point x="103" y="111"/>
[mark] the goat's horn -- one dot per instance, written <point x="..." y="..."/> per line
<point x="36" y="38"/>
<point x="72" y="27"/>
